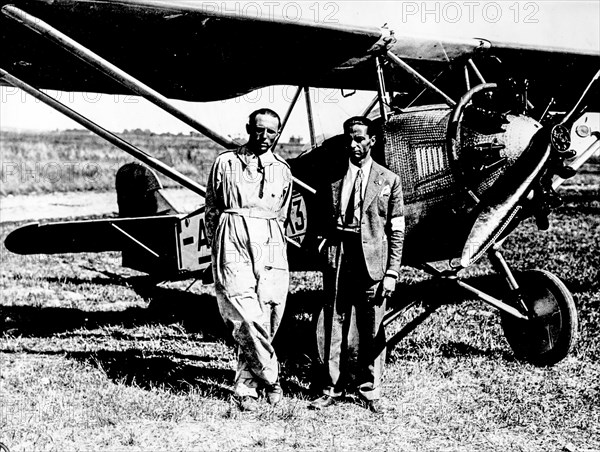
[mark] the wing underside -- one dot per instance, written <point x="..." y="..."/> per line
<point x="186" y="50"/>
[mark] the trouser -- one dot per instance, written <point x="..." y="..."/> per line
<point x="253" y="324"/>
<point x="350" y="333"/>
<point x="251" y="290"/>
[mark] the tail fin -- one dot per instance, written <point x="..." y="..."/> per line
<point x="139" y="192"/>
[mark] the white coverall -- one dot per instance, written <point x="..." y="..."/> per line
<point x="247" y="202"/>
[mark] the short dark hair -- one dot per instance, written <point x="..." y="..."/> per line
<point x="360" y="120"/>
<point x="263" y="111"/>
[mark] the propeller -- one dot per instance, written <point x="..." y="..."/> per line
<point x="545" y="156"/>
<point x="545" y="198"/>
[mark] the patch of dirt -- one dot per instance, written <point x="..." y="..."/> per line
<point x="80" y="204"/>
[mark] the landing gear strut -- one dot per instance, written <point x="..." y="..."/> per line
<point x="550" y="332"/>
<point x="538" y="313"/>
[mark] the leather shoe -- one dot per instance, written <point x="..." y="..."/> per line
<point x="274" y="394"/>
<point x="322" y="402"/>
<point x="246" y="403"/>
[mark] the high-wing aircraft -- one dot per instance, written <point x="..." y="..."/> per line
<point x="479" y="131"/>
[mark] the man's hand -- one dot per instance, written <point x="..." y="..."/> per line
<point x="388" y="285"/>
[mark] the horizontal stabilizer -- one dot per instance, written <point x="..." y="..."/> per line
<point x="89" y="236"/>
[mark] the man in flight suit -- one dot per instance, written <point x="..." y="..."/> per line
<point x="363" y="234"/>
<point x="247" y="201"/>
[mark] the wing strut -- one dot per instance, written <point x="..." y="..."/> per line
<point x="383" y="96"/>
<point x="497" y="303"/>
<point x="480" y="76"/>
<point x="114" y="139"/>
<point x="476" y="70"/>
<point x="288" y="113"/>
<point x="419" y="77"/>
<point x="283" y="124"/>
<point x="99" y="63"/>
<point x="108" y="136"/>
<point x="370" y="106"/>
<point x="309" y="114"/>
<point x="134" y="240"/>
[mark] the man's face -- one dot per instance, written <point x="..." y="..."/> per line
<point x="359" y="143"/>
<point x="262" y="133"/>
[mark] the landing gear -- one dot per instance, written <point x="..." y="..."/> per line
<point x="538" y="314"/>
<point x="550" y="332"/>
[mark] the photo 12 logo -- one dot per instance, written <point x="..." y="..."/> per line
<point x="318" y="12"/>
<point x="4" y="448"/>
<point x="468" y="11"/>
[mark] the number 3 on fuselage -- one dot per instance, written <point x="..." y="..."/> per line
<point x="295" y="225"/>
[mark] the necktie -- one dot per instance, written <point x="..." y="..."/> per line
<point x="256" y="167"/>
<point x="354" y="207"/>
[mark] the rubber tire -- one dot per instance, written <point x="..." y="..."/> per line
<point x="551" y="335"/>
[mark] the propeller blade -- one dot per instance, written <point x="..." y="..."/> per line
<point x="508" y="192"/>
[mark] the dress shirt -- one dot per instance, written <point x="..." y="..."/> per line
<point x="348" y="183"/>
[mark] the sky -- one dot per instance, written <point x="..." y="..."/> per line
<point x="549" y="23"/>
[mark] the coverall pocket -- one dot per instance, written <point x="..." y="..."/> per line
<point x="237" y="280"/>
<point x="273" y="285"/>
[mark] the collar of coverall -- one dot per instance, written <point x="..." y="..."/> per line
<point x="245" y="155"/>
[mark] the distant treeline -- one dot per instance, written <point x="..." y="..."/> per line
<point x="78" y="160"/>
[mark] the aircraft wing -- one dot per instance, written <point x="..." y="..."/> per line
<point x="183" y="49"/>
<point x="188" y="50"/>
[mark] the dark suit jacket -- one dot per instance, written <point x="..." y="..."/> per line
<point x="382" y="244"/>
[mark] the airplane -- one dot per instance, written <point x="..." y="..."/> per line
<point x="480" y="132"/>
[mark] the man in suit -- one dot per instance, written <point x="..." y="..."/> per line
<point x="362" y="238"/>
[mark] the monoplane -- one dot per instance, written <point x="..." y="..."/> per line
<point x="480" y="132"/>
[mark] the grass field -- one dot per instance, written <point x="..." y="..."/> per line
<point x="77" y="160"/>
<point x="91" y="359"/>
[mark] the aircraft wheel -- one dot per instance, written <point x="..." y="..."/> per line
<point x="548" y="337"/>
